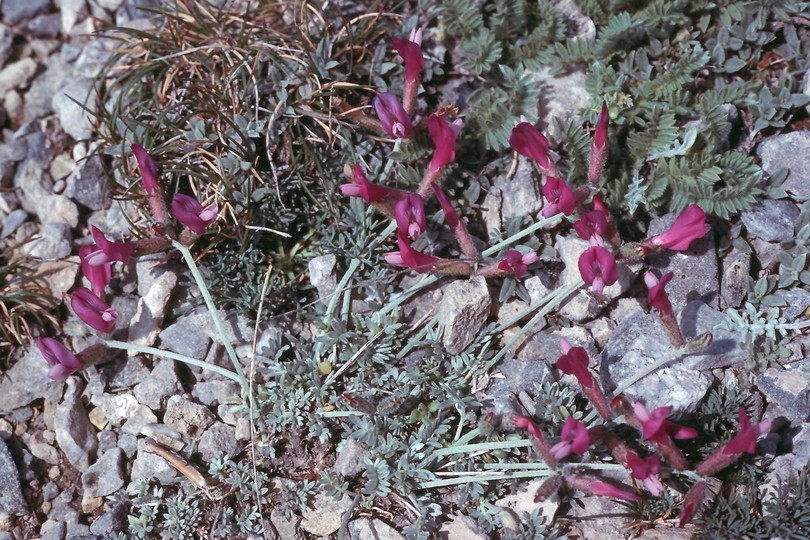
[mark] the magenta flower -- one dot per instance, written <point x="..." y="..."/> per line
<point x="411" y="52"/>
<point x="93" y="311"/>
<point x="656" y="295"/>
<point x="527" y="141"/>
<point x="188" y="211"/>
<point x="691" y="503"/>
<point x="746" y="439"/>
<point x="524" y="422"/>
<point x="98" y="276"/>
<point x="450" y="213"/>
<point x="575" y="439"/>
<point x="646" y="471"/>
<point x="108" y="250"/>
<point x="606" y="489"/>
<point x="407" y="256"/>
<point x="361" y="187"/>
<point x="599" y="146"/>
<point x="689" y="226"/>
<point x="574" y="361"/>
<point x="515" y="262"/>
<point x="657" y="428"/>
<point x="591" y="226"/>
<point x="597" y="266"/>
<point x="443" y="136"/>
<point x="147" y="168"/>
<point x="409" y="213"/>
<point x="395" y="121"/>
<point x="63" y="362"/>
<point x="559" y="196"/>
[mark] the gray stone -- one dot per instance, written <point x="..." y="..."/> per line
<point x="217" y="440"/>
<point x="128" y="443"/>
<point x="323" y="276"/>
<point x="695" y="270"/>
<point x="523" y="501"/>
<point x="734" y="284"/>
<point x="105" y="476"/>
<point x="88" y="185"/>
<point x="165" y="435"/>
<point x="372" y="529"/>
<point x="118" y="408"/>
<point x="638" y="342"/>
<point x="110" y="522"/>
<point x="564" y="95"/>
<point x="34" y="189"/>
<point x="52" y="242"/>
<point x="584" y="304"/>
<point x="147" y="464"/>
<point x="39" y="97"/>
<point x="126" y="305"/>
<point x="26" y="381"/>
<point x="187" y="417"/>
<point x="725" y="350"/>
<point x="126" y="373"/>
<point x="148" y="319"/>
<point x="463" y="311"/>
<point x="107" y="440"/>
<point x="771" y="220"/>
<point x="286" y="527"/>
<point x="323" y="518"/>
<point x="161" y="384"/>
<point x="462" y="527"/>
<point x="11" y="498"/>
<point x="72" y="11"/>
<point x="94" y="56"/>
<point x="56" y="531"/>
<point x="59" y="276"/>
<point x="11" y="153"/>
<point x="6" y="43"/>
<point x="50" y="491"/>
<point x="796" y="302"/>
<point x="790" y="388"/>
<point x="74" y="432"/>
<point x="45" y="26"/>
<point x="69" y="104"/>
<point x="184" y="337"/>
<point x="17" y="74"/>
<point x="139" y="418"/>
<point x="509" y="197"/>
<point x="13" y="221"/>
<point x="16" y="12"/>
<point x="41" y="449"/>
<point x="789" y="150"/>
<point x="350" y="456"/>
<point x="214" y="393"/>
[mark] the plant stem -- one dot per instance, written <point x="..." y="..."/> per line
<point x="212" y="309"/>
<point x="124" y="346"/>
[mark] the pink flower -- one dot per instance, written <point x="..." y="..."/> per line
<point x="657" y="428"/>
<point x="574" y="361"/>
<point x="605" y="489"/>
<point x="591" y="226"/>
<point x="411" y="52"/>
<point x="395" y="121"/>
<point x="147" y="168"/>
<point x="689" y="226"/>
<point x="92" y="310"/>
<point x="63" y="362"/>
<point x="527" y="141"/>
<point x="361" y="187"/>
<point x="559" y="196"/>
<point x="410" y="216"/>
<point x="443" y="136"/>
<point x="597" y="266"/>
<point x="450" y="213"/>
<point x="575" y="438"/>
<point x="646" y="471"/>
<point x="98" y="276"/>
<point x="407" y="256"/>
<point x="108" y="250"/>
<point x="599" y="146"/>
<point x="746" y="439"/>
<point x="515" y="262"/>
<point x="188" y="211"/>
<point x="656" y="296"/>
<point x="524" y="422"/>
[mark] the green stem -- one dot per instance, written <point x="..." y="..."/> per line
<point x="124" y="346"/>
<point x="483" y="447"/>
<point x="212" y="309"/>
<point x="466" y="479"/>
<point x="330" y="309"/>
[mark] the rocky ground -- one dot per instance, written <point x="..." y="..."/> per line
<point x="67" y="446"/>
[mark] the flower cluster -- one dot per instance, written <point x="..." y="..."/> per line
<point x="96" y="258"/>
